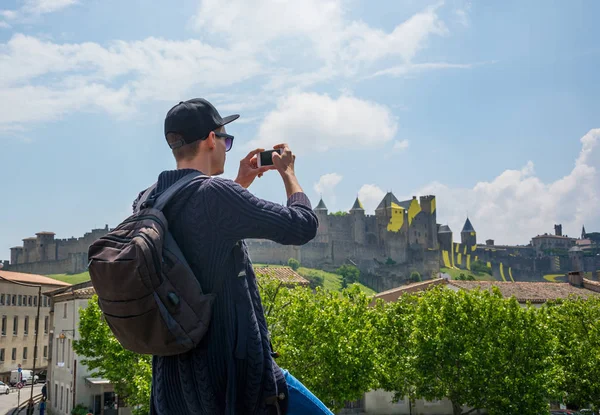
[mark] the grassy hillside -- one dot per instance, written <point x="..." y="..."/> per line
<point x="331" y="281"/>
<point x="71" y="278"/>
<point x="454" y="273"/>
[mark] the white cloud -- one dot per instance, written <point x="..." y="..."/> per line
<point x="4" y="25"/>
<point x="326" y="185"/>
<point x="462" y="17"/>
<point x="286" y="46"/>
<point x="370" y="195"/>
<point x="409" y="68"/>
<point x="400" y="146"/>
<point x="85" y="75"/>
<point x="315" y="29"/>
<point x="517" y="205"/>
<point x="47" y="6"/>
<point x="310" y="122"/>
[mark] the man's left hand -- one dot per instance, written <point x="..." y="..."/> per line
<point x="249" y="169"/>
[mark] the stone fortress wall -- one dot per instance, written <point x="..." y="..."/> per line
<point x="400" y="238"/>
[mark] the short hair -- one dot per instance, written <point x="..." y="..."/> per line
<point x="187" y="151"/>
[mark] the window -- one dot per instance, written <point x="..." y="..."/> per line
<point x="69" y="354"/>
<point x="45" y="301"/>
<point x="37" y="323"/>
<point x="65" y="310"/>
<point x="26" y="326"/>
<point x="63" y="352"/>
<point x="1" y="299"/>
<point x="61" y="398"/>
<point x="4" y="325"/>
<point x="15" y="325"/>
<point x="24" y="353"/>
<point x="45" y="352"/>
<point x="14" y="299"/>
<point x="14" y="354"/>
<point x="57" y="351"/>
<point x="20" y="302"/>
<point x="56" y="395"/>
<point x="35" y="301"/>
<point x="1" y="355"/>
<point x="46" y="325"/>
<point x="30" y="301"/>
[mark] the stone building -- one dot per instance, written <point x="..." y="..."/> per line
<point x="400" y="232"/>
<point x="43" y="254"/>
<point x="18" y="310"/>
<point x="69" y="381"/>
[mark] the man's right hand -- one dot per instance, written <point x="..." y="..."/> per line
<point x="284" y="163"/>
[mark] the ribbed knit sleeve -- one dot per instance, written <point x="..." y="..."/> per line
<point x="238" y="214"/>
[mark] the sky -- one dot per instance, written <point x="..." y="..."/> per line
<point x="494" y="107"/>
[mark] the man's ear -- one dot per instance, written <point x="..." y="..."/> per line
<point x="211" y="140"/>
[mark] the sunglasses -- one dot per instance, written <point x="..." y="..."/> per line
<point x="228" y="140"/>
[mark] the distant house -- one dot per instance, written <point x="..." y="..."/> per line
<point x="69" y="381"/>
<point x="18" y="307"/>
<point x="286" y="275"/>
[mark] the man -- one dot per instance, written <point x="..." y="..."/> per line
<point x="232" y="371"/>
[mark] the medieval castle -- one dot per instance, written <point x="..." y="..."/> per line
<point x="400" y="238"/>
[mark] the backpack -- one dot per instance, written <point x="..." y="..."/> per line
<point x="148" y="294"/>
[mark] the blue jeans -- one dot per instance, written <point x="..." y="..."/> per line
<point x="301" y="401"/>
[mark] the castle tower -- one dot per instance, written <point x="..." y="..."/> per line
<point x="428" y="207"/>
<point x="576" y="258"/>
<point x="44" y="241"/>
<point x="30" y="253"/>
<point x="357" y="213"/>
<point x="583" y="234"/>
<point x="468" y="236"/>
<point x="323" y="231"/>
<point x="444" y="236"/>
<point x="558" y="230"/>
<point x="16" y="255"/>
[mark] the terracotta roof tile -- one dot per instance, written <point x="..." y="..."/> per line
<point x="31" y="278"/>
<point x="395" y="293"/>
<point x="535" y="292"/>
<point x="283" y="274"/>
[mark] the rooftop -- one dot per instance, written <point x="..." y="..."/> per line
<point x="445" y="229"/>
<point x="81" y="290"/>
<point x="321" y="205"/>
<point x="534" y="292"/>
<point x="387" y="201"/>
<point x="468" y="227"/>
<point x="551" y="236"/>
<point x="31" y="278"/>
<point x="284" y="274"/>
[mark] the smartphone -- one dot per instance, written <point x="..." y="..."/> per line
<point x="265" y="158"/>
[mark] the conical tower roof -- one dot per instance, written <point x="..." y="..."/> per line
<point x="387" y="201"/>
<point x="445" y="229"/>
<point x="468" y="226"/>
<point x="321" y="205"/>
<point x="357" y="205"/>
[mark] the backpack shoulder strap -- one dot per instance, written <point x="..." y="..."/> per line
<point x="144" y="197"/>
<point x="180" y="184"/>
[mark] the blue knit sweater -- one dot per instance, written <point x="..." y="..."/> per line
<point x="231" y="371"/>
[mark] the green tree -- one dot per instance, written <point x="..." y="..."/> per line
<point x="339" y="213"/>
<point x="576" y="323"/>
<point x="480" y="267"/>
<point x="482" y="351"/>
<point x="415" y="276"/>
<point x="294" y="264"/>
<point x="394" y="328"/>
<point x="128" y="372"/>
<point x="324" y="338"/>
<point x="390" y="261"/>
<point x="349" y="272"/>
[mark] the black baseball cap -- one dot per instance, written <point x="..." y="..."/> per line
<point x="194" y="120"/>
